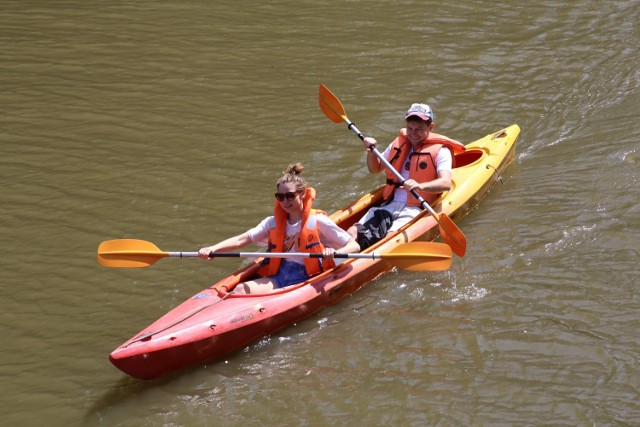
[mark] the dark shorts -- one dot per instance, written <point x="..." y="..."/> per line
<point x="374" y="229"/>
<point x="290" y="273"/>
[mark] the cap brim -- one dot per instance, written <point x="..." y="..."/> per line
<point x="422" y="116"/>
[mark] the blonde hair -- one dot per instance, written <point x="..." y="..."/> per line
<point x="292" y="174"/>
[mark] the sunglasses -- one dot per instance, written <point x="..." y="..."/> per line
<point x="289" y="196"/>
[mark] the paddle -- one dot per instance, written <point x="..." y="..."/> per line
<point x="450" y="232"/>
<point x="133" y="253"/>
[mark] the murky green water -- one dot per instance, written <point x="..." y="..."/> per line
<point x="170" y="122"/>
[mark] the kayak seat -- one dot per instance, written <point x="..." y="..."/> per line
<point x="468" y="157"/>
<point x="349" y="215"/>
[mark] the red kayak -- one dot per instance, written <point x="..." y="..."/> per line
<point x="215" y="321"/>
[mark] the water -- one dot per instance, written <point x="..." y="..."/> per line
<point x="171" y="121"/>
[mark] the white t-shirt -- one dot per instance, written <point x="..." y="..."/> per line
<point x="444" y="162"/>
<point x="330" y="234"/>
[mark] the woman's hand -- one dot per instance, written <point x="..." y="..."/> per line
<point x="328" y="253"/>
<point x="205" y="252"/>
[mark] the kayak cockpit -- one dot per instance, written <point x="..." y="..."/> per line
<point x="468" y="157"/>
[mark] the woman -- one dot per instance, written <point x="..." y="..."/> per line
<point x="294" y="227"/>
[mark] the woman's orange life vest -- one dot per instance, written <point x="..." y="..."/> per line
<point x="308" y="239"/>
<point x="422" y="164"/>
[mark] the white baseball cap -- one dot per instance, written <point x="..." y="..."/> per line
<point x="421" y="110"/>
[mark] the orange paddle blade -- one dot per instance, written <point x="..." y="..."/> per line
<point x="331" y="106"/>
<point x="452" y="235"/>
<point x="420" y="256"/>
<point x="128" y="253"/>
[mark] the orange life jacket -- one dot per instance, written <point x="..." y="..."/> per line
<point x="308" y="239"/>
<point x="422" y="165"/>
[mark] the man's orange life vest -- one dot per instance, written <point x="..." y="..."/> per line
<point x="308" y="239"/>
<point x="422" y="164"/>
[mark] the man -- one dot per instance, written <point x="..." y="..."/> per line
<point x="423" y="158"/>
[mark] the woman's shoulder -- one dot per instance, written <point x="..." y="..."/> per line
<point x="267" y="223"/>
<point x="323" y="219"/>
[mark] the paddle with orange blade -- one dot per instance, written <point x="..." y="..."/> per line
<point x="451" y="234"/>
<point x="134" y="253"/>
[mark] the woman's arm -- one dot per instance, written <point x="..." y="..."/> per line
<point x="230" y="244"/>
<point x="350" y="248"/>
<point x="333" y="237"/>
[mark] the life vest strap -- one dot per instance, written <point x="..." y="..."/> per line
<point x="393" y="182"/>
